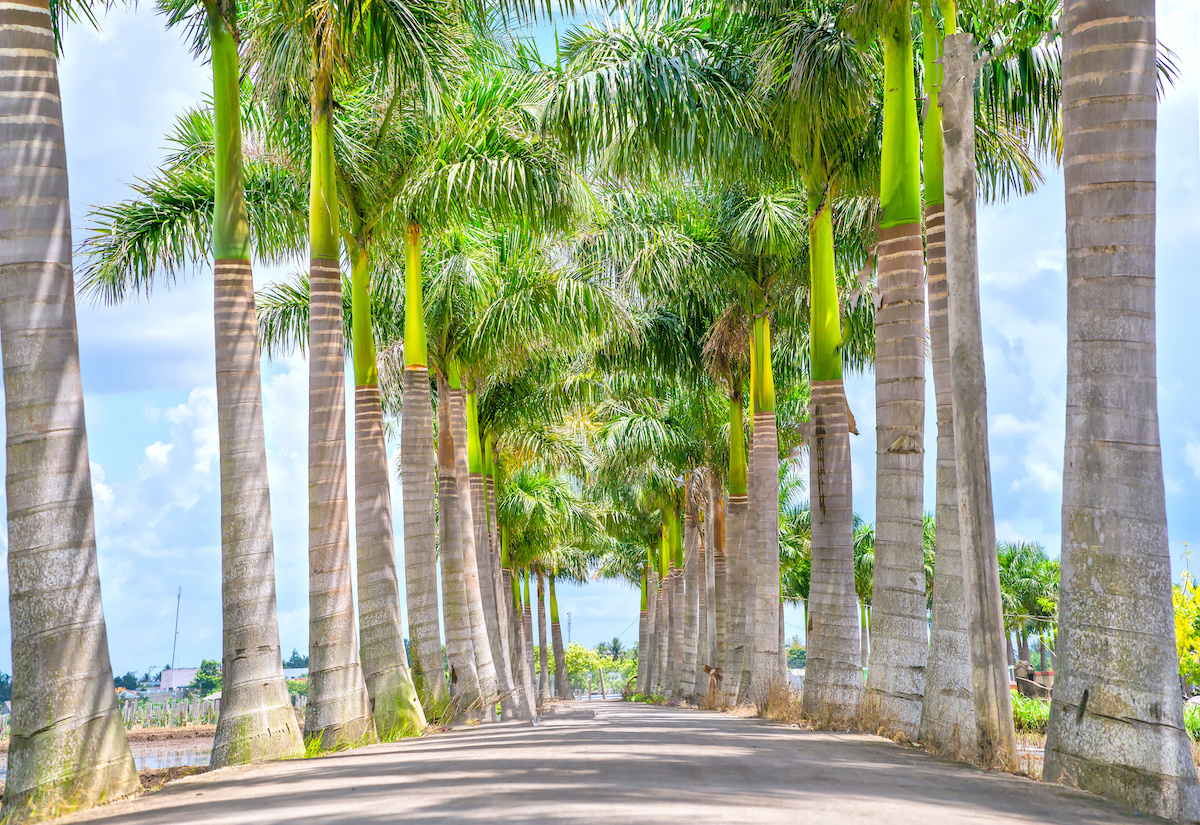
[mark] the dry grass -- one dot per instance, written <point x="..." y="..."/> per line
<point x="780" y="703"/>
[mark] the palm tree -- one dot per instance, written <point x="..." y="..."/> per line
<point x="129" y="246"/>
<point x="1116" y="723"/>
<point x="68" y="742"/>
<point x="562" y="685"/>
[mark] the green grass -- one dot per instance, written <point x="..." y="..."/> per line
<point x="1031" y="715"/>
<point x="1191" y="721"/>
<point x="647" y="698"/>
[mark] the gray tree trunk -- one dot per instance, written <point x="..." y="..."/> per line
<point x="651" y="633"/>
<point x="948" y="709"/>
<point x="720" y="590"/>
<point x="256" y="720"/>
<point x="530" y="665"/>
<point x="562" y="681"/>
<point x="464" y="678"/>
<point x="418" y="483"/>
<point x="523" y="645"/>
<point x="691" y="597"/>
<point x="996" y="737"/>
<point x="487" y="560"/>
<point x="68" y="741"/>
<point x="485" y="664"/>
<point x="708" y="604"/>
<point x="338" y="710"/>
<point x="544" y="692"/>
<point x="766" y="669"/>
<point x="833" y="680"/>
<point x="663" y="632"/>
<point x="512" y="695"/>
<point x="736" y="576"/>
<point x="394" y="701"/>
<point x="899" y="641"/>
<point x="643" y="633"/>
<point x="1116" y="719"/>
<point x="675" y="644"/>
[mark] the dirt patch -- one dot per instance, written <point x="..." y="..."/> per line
<point x="181" y="734"/>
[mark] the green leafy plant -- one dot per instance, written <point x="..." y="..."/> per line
<point x="1031" y="715"/>
<point x="208" y="678"/>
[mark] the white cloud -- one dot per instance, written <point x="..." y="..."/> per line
<point x="1191" y="456"/>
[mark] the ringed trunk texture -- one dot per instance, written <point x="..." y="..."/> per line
<point x="833" y="680"/>
<point x="68" y="743"/>
<point x="256" y="720"/>
<point x="530" y="658"/>
<point x="395" y="705"/>
<point x="485" y="665"/>
<point x="736" y="576"/>
<point x="996" y="737"/>
<point x="691" y="599"/>
<point x="663" y="632"/>
<point x="948" y="709"/>
<point x="562" y="682"/>
<point x="522" y="646"/>
<point x="464" y="679"/>
<point x="899" y="640"/>
<point x="643" y="634"/>
<point x="675" y="645"/>
<point x="651" y="632"/>
<point x="1116" y="724"/>
<point x="486" y="559"/>
<point x="418" y="483"/>
<point x="338" y="710"/>
<point x="720" y="590"/>
<point x="544" y="692"/>
<point x="708" y="602"/>
<point x="765" y="468"/>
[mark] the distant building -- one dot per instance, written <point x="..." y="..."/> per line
<point x="295" y="672"/>
<point x="177" y="677"/>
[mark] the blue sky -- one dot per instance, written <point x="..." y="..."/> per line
<point x="148" y="368"/>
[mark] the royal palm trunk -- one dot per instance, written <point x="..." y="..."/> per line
<point x="562" y="684"/>
<point x="544" y="692"/>
<point x="530" y="663"/>
<point x="523" y="649"/>
<point x="899" y="638"/>
<point x="1116" y="723"/>
<point x="643" y="634"/>
<point x="502" y="592"/>
<point x="338" y="710"/>
<point x="676" y="606"/>
<point x="720" y="589"/>
<point x="948" y="709"/>
<point x="663" y="623"/>
<point x="464" y="678"/>
<point x="256" y="720"/>
<point x="394" y="702"/>
<point x="765" y="467"/>
<point x="68" y="743"/>
<point x="708" y="596"/>
<point x="418" y="484"/>
<point x="485" y="665"/>
<point x="692" y="577"/>
<point x="736" y="550"/>
<point x="651" y="624"/>
<point x="833" y="681"/>
<point x="995" y="735"/>
<point x="487" y="562"/>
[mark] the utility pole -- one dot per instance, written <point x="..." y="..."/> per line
<point x="175" y="641"/>
<point x="568" y="628"/>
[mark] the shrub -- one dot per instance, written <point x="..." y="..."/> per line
<point x="647" y="698"/>
<point x="1030" y="715"/>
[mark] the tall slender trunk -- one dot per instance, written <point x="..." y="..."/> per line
<point x="677" y="608"/>
<point x="523" y="649"/>
<point x="896" y="678"/>
<point x="833" y="681"/>
<point x="256" y="720"/>
<point x="708" y="603"/>
<point x="643" y="634"/>
<point x="562" y="683"/>
<point x="989" y="677"/>
<point x="948" y="708"/>
<point x="418" y="483"/>
<point x="502" y="591"/>
<point x="1116" y="724"/>
<point x="720" y="589"/>
<point x="749" y="573"/>
<point x="544" y="692"/>
<point x="736" y="549"/>
<point x="652" y="620"/>
<point x="864" y="633"/>
<point x="663" y="625"/>
<point x="394" y="702"/>
<point x="485" y="664"/>
<point x="338" y="710"/>
<point x="766" y="626"/>
<point x="692" y="572"/>
<point x="530" y="664"/>
<point x="68" y="742"/>
<point x="1023" y="645"/>
<point x="485" y="558"/>
<point x="464" y="679"/>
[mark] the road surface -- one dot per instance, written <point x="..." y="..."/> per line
<point x="613" y="762"/>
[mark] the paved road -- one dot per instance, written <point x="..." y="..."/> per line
<point x="616" y="763"/>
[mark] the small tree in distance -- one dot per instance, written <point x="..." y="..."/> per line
<point x="208" y="679"/>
